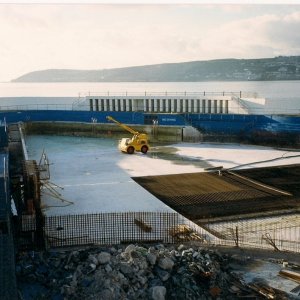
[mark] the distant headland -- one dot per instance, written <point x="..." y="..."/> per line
<point x="277" y="68"/>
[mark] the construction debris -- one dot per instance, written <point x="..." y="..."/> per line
<point x="184" y="232"/>
<point x="154" y="272"/>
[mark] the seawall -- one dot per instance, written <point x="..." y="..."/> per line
<point x="160" y="134"/>
<point x="163" y="134"/>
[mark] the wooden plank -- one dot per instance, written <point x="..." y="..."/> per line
<point x="290" y="275"/>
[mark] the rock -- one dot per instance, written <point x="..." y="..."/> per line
<point x="91" y="268"/>
<point x="92" y="258"/>
<point x="74" y="283"/>
<point x="134" y="254"/>
<point x="68" y="290"/>
<point x="160" y="247"/>
<point x="188" y="252"/>
<point x="129" y="248"/>
<point x="108" y="268"/>
<point x="142" y="250"/>
<point x="163" y="275"/>
<point x="86" y="282"/>
<point x="181" y="270"/>
<point x="142" y="279"/>
<point x="234" y="289"/>
<point x="113" y="250"/>
<point x="106" y="294"/>
<point x="78" y="271"/>
<point x="141" y="263"/>
<point x="175" y="253"/>
<point x="126" y="269"/>
<point x="103" y="258"/>
<point x="151" y="257"/>
<point x="106" y="283"/>
<point x="120" y="275"/>
<point x="151" y="249"/>
<point x="158" y="293"/>
<point x="181" y="247"/>
<point x="166" y="263"/>
<point x="128" y="252"/>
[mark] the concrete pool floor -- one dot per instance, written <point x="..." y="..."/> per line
<point x="96" y="177"/>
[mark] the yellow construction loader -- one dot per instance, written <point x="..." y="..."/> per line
<point x="139" y="141"/>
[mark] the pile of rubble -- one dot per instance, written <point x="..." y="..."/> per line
<point x="134" y="272"/>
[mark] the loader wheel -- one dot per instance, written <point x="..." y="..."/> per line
<point x="130" y="150"/>
<point x="144" y="149"/>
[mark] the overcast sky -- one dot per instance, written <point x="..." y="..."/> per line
<point x="97" y="36"/>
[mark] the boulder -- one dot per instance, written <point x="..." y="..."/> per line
<point x="103" y="258"/>
<point x="151" y="257"/>
<point x="158" y="293"/>
<point x="166" y="263"/>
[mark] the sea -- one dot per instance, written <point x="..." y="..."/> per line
<point x="279" y="95"/>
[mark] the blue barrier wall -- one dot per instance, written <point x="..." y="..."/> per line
<point x="207" y="123"/>
<point x="3" y="136"/>
<point x="243" y="124"/>
<point x="70" y="116"/>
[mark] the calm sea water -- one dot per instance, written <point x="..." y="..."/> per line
<point x="279" y="94"/>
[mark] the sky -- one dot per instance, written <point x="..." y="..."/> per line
<point x="95" y="36"/>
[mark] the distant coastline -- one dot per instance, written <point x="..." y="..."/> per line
<point x="265" y="69"/>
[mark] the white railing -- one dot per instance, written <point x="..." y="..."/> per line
<point x="166" y="93"/>
<point x="241" y="106"/>
<point x="21" y="107"/>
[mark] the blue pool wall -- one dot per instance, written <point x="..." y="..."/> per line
<point x="206" y="123"/>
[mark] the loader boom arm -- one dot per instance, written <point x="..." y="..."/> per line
<point x="127" y="128"/>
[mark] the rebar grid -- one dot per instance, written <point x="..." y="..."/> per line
<point x="279" y="233"/>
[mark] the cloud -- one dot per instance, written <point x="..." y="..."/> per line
<point x="261" y="36"/>
<point x="34" y="37"/>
